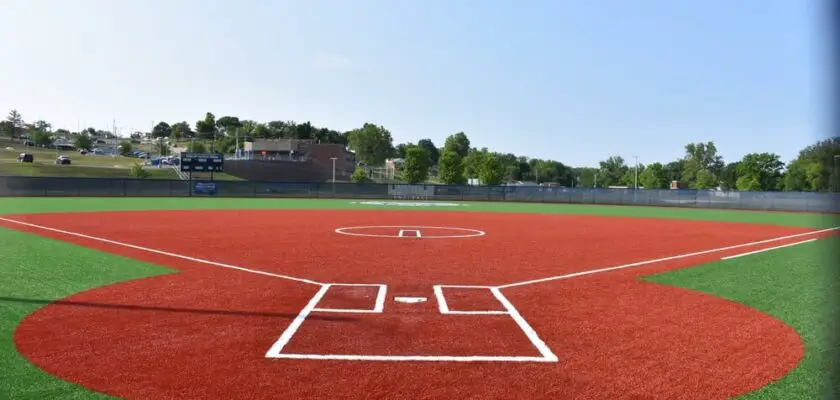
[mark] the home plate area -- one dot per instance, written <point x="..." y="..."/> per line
<point x="444" y="323"/>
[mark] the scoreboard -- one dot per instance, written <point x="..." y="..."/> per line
<point x="202" y="162"/>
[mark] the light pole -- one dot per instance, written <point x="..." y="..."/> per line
<point x="333" y="172"/>
<point x="636" y="173"/>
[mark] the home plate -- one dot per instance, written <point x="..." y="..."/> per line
<point x="410" y="300"/>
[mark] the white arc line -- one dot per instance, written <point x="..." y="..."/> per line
<point x="657" y="260"/>
<point x="767" y="249"/>
<point x="163" y="253"/>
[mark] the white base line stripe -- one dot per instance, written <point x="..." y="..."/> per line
<point x="362" y="357"/>
<point x="640" y="263"/>
<point x="286" y="336"/>
<point x="530" y="332"/>
<point x="767" y="249"/>
<point x="442" y="306"/>
<point x="164" y="253"/>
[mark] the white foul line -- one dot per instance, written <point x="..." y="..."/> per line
<point x="767" y="249"/>
<point x="657" y="260"/>
<point x="164" y="253"/>
<point x="530" y="332"/>
<point x="281" y="342"/>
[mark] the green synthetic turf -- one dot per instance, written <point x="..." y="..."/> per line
<point x="798" y="285"/>
<point x="792" y="284"/>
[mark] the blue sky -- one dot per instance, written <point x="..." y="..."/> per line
<point x="571" y="80"/>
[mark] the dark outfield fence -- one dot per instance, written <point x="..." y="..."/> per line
<point x="94" y="187"/>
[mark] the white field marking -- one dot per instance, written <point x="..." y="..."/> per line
<point x="378" y="307"/>
<point x="443" y="306"/>
<point x="525" y="326"/>
<point x="767" y="249"/>
<point x="409" y="299"/>
<point x="546" y="355"/>
<point x="657" y="260"/>
<point x="362" y="357"/>
<point x="403" y="231"/>
<point x="164" y="253"/>
<point x="286" y="336"/>
<point x="470" y="232"/>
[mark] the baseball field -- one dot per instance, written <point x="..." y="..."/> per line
<point x="197" y="298"/>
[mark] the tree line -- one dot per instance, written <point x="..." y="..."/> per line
<point x="816" y="168"/>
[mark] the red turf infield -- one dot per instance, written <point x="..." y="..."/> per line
<point x="204" y="332"/>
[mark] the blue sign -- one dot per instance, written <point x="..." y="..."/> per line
<point x="208" y="188"/>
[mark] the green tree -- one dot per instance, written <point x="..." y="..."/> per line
<point x="126" y="147"/>
<point x="7" y="129"/>
<point x="15" y="122"/>
<point x="586" y="177"/>
<point x="654" y="176"/>
<point x="182" y="130"/>
<point x="748" y="183"/>
<point x="161" y="130"/>
<point x="701" y="157"/>
<point x="459" y="143"/>
<point x="399" y="151"/>
<point x="196" y="147"/>
<point x="631" y="176"/>
<point x="416" y="166"/>
<point x="472" y="162"/>
<point x="373" y="144"/>
<point x="360" y="176"/>
<point x="705" y="180"/>
<point x="451" y="168"/>
<point x="431" y="149"/>
<point x="816" y="168"/>
<point x="491" y="171"/>
<point x="42" y="126"/>
<point x="138" y="172"/>
<point x="83" y="141"/>
<point x="611" y="172"/>
<point x="761" y="172"/>
<point x="228" y="125"/>
<point x="206" y="128"/>
<point x="42" y="138"/>
<point x="729" y="176"/>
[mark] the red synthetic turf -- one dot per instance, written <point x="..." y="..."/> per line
<point x="203" y="332"/>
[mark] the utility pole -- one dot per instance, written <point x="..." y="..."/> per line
<point x="114" y="133"/>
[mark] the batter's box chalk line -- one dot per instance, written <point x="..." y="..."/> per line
<point x="546" y="355"/>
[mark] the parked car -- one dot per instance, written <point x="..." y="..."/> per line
<point x="63" y="160"/>
<point x="26" y="157"/>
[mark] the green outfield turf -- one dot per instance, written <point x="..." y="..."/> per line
<point x="794" y="284"/>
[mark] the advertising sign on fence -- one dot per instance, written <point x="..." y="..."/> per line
<point x="208" y="188"/>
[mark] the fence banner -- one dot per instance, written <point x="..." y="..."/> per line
<point x="207" y="188"/>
